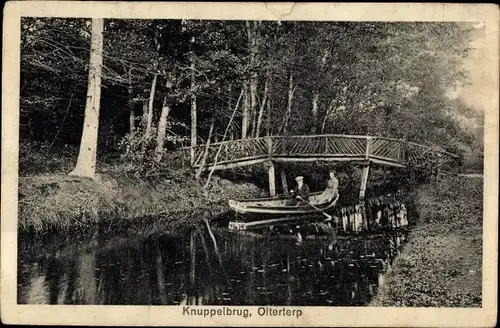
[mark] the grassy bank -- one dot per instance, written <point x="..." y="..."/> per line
<point x="441" y="264"/>
<point x="63" y="203"/>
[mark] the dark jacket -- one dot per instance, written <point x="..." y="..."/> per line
<point x="303" y="192"/>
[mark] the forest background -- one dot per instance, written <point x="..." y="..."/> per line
<point x="162" y="83"/>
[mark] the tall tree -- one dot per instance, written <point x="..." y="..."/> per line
<point x="149" y="116"/>
<point x="253" y="49"/>
<point x="194" y="120"/>
<point x="261" y="110"/>
<point x="162" y="127"/>
<point x="86" y="162"/>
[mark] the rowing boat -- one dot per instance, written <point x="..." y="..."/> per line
<point x="279" y="207"/>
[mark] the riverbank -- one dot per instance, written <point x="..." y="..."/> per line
<point x="62" y="203"/>
<point x="441" y="265"/>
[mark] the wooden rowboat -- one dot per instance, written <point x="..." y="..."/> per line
<point x="278" y="207"/>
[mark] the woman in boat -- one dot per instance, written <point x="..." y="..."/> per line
<point x="332" y="188"/>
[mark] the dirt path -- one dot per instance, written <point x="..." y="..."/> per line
<point x="471" y="175"/>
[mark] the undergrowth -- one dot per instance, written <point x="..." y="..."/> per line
<point x="62" y="203"/>
<point x="441" y="264"/>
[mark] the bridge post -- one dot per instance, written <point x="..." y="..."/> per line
<point x="364" y="215"/>
<point x="284" y="183"/>
<point x="366" y="169"/>
<point x="364" y="182"/>
<point x="269" y="147"/>
<point x="272" y="179"/>
<point x="368" y="147"/>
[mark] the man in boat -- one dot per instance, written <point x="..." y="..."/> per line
<point x="302" y="191"/>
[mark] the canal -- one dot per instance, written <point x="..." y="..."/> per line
<point x="204" y="266"/>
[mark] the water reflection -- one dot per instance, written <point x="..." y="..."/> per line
<point x="247" y="269"/>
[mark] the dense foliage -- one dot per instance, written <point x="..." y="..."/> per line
<point x="385" y="79"/>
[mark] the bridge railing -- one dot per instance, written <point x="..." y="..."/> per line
<point x="388" y="149"/>
<point x="324" y="146"/>
<point x="430" y="157"/>
<point x="319" y="145"/>
<point x="232" y="151"/>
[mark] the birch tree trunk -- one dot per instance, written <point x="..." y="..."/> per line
<point x="86" y="162"/>
<point x="162" y="129"/>
<point x="314" y="112"/>
<point x="244" y="114"/>
<point x="149" y="117"/>
<point x="328" y="112"/>
<point x="268" y="132"/>
<point x="131" y="102"/>
<point x="261" y="111"/>
<point x="315" y="99"/>
<point x="252" y="33"/>
<point x="194" y="123"/>
<point x="144" y="112"/>
<point x="291" y="91"/>
<point x="149" y="120"/>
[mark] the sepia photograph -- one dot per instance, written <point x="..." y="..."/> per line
<point x="261" y="167"/>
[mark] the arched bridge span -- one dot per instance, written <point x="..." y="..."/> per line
<point x="326" y="147"/>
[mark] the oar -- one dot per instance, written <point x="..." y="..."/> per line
<point x="329" y="217"/>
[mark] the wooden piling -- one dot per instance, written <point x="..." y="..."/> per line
<point x="284" y="183"/>
<point x="364" y="182"/>
<point x="364" y="215"/>
<point x="272" y="179"/>
<point x="366" y="169"/>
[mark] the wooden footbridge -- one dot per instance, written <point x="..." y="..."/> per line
<point x="361" y="150"/>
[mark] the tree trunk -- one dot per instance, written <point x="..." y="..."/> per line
<point x="244" y="114"/>
<point x="291" y="90"/>
<point x="144" y="112"/>
<point x="328" y="112"/>
<point x="131" y="120"/>
<point x="162" y="129"/>
<point x="86" y="162"/>
<point x="268" y="132"/>
<point x="131" y="102"/>
<point x="149" y="120"/>
<point x="315" y="99"/>
<point x="223" y="138"/>
<point x="205" y="153"/>
<point x="252" y="32"/>
<point x="261" y="111"/>
<point x="315" y="102"/>
<point x="194" y="122"/>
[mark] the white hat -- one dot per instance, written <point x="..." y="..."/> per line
<point x="299" y="178"/>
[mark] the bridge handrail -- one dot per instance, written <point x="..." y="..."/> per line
<point x="222" y="143"/>
<point x="430" y="147"/>
<point x="407" y="153"/>
<point x="440" y="150"/>
<point x="322" y="135"/>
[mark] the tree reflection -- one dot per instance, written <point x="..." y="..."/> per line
<point x="167" y="269"/>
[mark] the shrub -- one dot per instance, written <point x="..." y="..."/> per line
<point x="139" y="153"/>
<point x="43" y="158"/>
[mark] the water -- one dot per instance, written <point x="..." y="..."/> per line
<point x="240" y="269"/>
